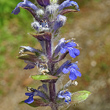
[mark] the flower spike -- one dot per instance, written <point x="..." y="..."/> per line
<point x="48" y="19"/>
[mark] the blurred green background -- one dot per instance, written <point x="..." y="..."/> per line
<point x="90" y="27"/>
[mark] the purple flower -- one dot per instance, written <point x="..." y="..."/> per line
<point x="66" y="95"/>
<point x="68" y="3"/>
<point x="65" y="64"/>
<point x="70" y="47"/>
<point x="60" y="21"/>
<point x="26" y="3"/>
<point x="65" y="45"/>
<point x="43" y="3"/>
<point x="30" y="99"/>
<point x="73" y="69"/>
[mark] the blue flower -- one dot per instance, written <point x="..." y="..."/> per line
<point x="32" y="94"/>
<point x="25" y="3"/>
<point x="73" y="69"/>
<point x="30" y="99"/>
<point x="68" y="3"/>
<point x="66" y="95"/>
<point x="70" y="47"/>
<point x="66" y="45"/>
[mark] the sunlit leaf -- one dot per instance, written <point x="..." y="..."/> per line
<point x="43" y="77"/>
<point x="80" y="96"/>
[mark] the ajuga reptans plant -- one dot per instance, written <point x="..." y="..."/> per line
<point x="48" y="19"/>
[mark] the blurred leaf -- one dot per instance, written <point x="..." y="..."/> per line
<point x="36" y="103"/>
<point x="80" y="96"/>
<point x="43" y="77"/>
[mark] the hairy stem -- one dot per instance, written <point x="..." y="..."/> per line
<point x="52" y="91"/>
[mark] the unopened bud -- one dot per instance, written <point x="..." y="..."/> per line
<point x="53" y="1"/>
<point x="39" y="13"/>
<point x="52" y="9"/>
<point x="75" y="83"/>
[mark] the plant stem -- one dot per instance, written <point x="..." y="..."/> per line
<point x="52" y="91"/>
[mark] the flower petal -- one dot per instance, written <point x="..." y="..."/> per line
<point x="71" y="52"/>
<point x="70" y="44"/>
<point x="29" y="94"/>
<point x="63" y="50"/>
<point x="17" y="9"/>
<point x="65" y="70"/>
<point x="68" y="99"/>
<point x="65" y="64"/>
<point x="77" y="73"/>
<point x="29" y="100"/>
<point x="72" y="76"/>
<point x="74" y="65"/>
<point x="76" y="52"/>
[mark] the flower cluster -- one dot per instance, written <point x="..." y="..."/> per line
<point x="66" y="95"/>
<point x="66" y="45"/>
<point x="73" y="69"/>
<point x="48" y="19"/>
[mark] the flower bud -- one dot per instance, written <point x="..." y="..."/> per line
<point x="59" y="22"/>
<point x="53" y="1"/>
<point x="52" y="9"/>
<point x="36" y="25"/>
<point x="39" y="13"/>
<point x="43" y="3"/>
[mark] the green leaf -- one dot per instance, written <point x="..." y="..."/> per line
<point x="43" y="77"/>
<point x="36" y="103"/>
<point x="80" y="96"/>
